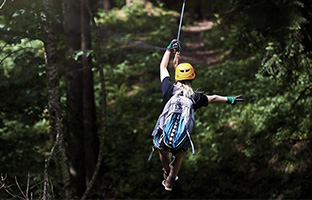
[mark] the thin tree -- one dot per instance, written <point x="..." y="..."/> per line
<point x="74" y="133"/>
<point x="103" y="129"/>
<point x="89" y="114"/>
<point x="54" y="107"/>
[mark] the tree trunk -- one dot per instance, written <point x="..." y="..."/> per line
<point x="54" y="105"/>
<point x="74" y="96"/>
<point x="107" y="5"/>
<point x="102" y="132"/>
<point x="89" y="115"/>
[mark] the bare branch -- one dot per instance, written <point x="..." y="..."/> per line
<point x="2" y="4"/>
<point x="20" y="189"/>
<point x="7" y="188"/>
<point x="46" y="165"/>
<point x="3" y="178"/>
<point x="27" y="188"/>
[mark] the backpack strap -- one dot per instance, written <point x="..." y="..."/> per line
<point x="173" y="159"/>
<point x="150" y="157"/>
<point x="192" y="145"/>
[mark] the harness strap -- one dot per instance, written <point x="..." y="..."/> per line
<point x="173" y="159"/>
<point x="192" y="145"/>
<point x="150" y="157"/>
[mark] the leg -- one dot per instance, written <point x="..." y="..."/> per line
<point x="165" y="159"/>
<point x="175" y="167"/>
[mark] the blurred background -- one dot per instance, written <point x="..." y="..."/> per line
<point x="80" y="93"/>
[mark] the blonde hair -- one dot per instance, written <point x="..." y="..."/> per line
<point x="185" y="87"/>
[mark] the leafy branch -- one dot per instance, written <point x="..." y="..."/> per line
<point x="12" y="53"/>
<point x="300" y="96"/>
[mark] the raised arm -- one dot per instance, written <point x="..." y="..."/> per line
<point x="164" y="64"/>
<point x="174" y="46"/>
<point x="176" y="60"/>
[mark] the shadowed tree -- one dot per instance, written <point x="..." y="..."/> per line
<point x="89" y="115"/>
<point x="74" y="101"/>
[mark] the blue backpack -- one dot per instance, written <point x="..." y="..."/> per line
<point x="174" y="126"/>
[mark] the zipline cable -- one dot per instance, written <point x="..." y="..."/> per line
<point x="143" y="45"/>
<point x="181" y="18"/>
<point x="147" y="46"/>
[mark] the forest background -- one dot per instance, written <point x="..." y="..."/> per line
<point x="80" y="95"/>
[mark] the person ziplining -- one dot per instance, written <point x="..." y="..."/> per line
<point x="172" y="132"/>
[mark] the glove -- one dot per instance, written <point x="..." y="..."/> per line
<point x="233" y="100"/>
<point x="174" y="46"/>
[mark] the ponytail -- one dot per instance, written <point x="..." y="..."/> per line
<point x="184" y="87"/>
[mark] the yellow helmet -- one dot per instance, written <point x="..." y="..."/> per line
<point x="184" y="71"/>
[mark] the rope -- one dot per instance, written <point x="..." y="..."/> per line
<point x="147" y="46"/>
<point x="181" y="18"/>
<point x="139" y="44"/>
<point x="142" y="45"/>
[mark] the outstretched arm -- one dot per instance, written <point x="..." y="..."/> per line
<point x="229" y="100"/>
<point x="216" y="98"/>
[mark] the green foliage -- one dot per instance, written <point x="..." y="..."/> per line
<point x="257" y="149"/>
<point x="273" y="127"/>
<point x="227" y="139"/>
<point x="21" y="19"/>
<point x="22" y="53"/>
<point x="23" y="125"/>
<point x="135" y="23"/>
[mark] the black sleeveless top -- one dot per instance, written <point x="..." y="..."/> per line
<point x="167" y="86"/>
